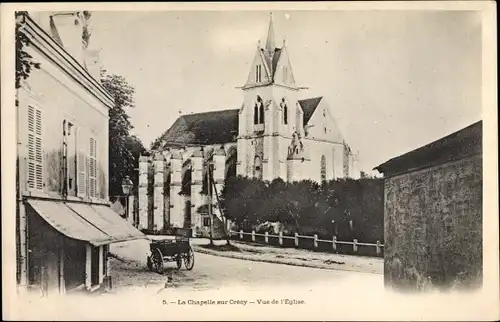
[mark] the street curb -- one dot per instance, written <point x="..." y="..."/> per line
<point x="274" y="261"/>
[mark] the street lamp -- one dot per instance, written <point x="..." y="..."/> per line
<point x="127" y="185"/>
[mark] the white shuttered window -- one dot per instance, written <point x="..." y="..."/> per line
<point x="81" y="164"/>
<point x="35" y="148"/>
<point x="93" y="168"/>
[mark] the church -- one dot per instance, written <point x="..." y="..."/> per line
<point x="275" y="133"/>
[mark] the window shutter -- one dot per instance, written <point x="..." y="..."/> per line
<point x="35" y="148"/>
<point x="93" y="168"/>
<point x="81" y="164"/>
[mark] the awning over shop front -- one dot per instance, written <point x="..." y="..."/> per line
<point x="96" y="224"/>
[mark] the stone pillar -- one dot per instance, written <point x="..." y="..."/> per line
<point x="143" y="192"/>
<point x="101" y="264"/>
<point x="130" y="214"/>
<point x="176" y="200"/>
<point x="166" y="189"/>
<point x="159" y="169"/>
<point x="196" y="187"/>
<point x="88" y="266"/>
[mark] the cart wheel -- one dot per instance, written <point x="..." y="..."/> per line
<point x="178" y="259"/>
<point x="157" y="258"/>
<point x="150" y="263"/>
<point x="189" y="259"/>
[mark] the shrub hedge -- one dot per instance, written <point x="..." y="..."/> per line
<point x="346" y="208"/>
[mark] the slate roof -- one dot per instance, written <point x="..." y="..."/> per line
<point x="208" y="128"/>
<point x="460" y="144"/>
<point x="216" y="127"/>
<point x="309" y="106"/>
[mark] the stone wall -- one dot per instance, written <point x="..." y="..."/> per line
<point x="433" y="226"/>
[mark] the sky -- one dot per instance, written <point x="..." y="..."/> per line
<point x="394" y="80"/>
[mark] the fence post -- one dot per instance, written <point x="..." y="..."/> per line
<point x="315" y="241"/>
<point x="334" y="243"/>
<point x="378" y="247"/>
<point x="355" y="245"/>
<point x="281" y="238"/>
<point x="296" y="240"/>
<point x="266" y="237"/>
<point x="253" y="235"/>
<point x="241" y="233"/>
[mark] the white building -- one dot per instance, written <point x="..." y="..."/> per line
<point x="64" y="222"/>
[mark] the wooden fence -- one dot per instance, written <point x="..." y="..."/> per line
<point x="355" y="244"/>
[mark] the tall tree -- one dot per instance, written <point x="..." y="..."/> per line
<point x="134" y="145"/>
<point x="124" y="149"/>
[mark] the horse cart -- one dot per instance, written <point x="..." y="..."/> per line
<point x="176" y="249"/>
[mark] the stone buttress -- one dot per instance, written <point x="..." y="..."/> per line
<point x="176" y="200"/>
<point x="159" y="199"/>
<point x="143" y="192"/>
<point x="197" y="199"/>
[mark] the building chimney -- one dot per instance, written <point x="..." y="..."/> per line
<point x="69" y="28"/>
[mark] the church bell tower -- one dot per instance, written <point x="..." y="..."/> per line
<point x="270" y="113"/>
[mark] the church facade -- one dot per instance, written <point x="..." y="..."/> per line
<point x="274" y="134"/>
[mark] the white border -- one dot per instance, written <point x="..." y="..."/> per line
<point x="479" y="306"/>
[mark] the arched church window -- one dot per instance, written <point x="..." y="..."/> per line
<point x="261" y="113"/>
<point x="256" y="114"/>
<point x="285" y="111"/>
<point x="257" y="167"/>
<point x="323" y="168"/>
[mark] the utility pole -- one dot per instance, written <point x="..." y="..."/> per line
<point x="224" y="219"/>
<point x="209" y="187"/>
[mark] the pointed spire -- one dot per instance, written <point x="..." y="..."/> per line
<point x="270" y="43"/>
